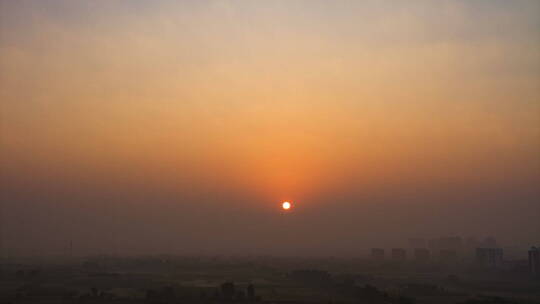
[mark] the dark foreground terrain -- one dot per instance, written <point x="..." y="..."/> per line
<point x="168" y="279"/>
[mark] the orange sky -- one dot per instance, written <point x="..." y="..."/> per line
<point x="281" y="100"/>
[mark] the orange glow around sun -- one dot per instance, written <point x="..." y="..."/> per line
<point x="286" y="205"/>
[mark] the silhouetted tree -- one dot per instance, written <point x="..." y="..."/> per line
<point x="228" y="290"/>
<point x="151" y="294"/>
<point x="251" y="292"/>
<point x="240" y="295"/>
<point x="168" y="293"/>
<point x="405" y="300"/>
<point x="312" y="276"/>
<point x="372" y="294"/>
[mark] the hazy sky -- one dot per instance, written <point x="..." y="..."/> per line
<point x="179" y="126"/>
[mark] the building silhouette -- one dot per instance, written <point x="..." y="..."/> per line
<point x="470" y="245"/>
<point x="489" y="257"/>
<point x="421" y="254"/>
<point x="311" y="276"/>
<point x="228" y="290"/>
<point x="377" y="254"/>
<point x="489" y="242"/>
<point x="472" y="242"/>
<point x="534" y="261"/>
<point x="448" y="255"/>
<point x="417" y="243"/>
<point x="251" y="292"/>
<point x="447" y="242"/>
<point x="399" y="254"/>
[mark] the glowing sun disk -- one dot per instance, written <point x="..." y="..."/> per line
<point x="286" y="205"/>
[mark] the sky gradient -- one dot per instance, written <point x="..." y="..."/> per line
<point x="180" y="126"/>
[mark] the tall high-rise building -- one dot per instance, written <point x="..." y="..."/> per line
<point x="446" y="243"/>
<point x="377" y="253"/>
<point x="399" y="254"/>
<point x="489" y="242"/>
<point x="448" y="255"/>
<point x="451" y="243"/>
<point x="534" y="261"/>
<point x="472" y="242"/>
<point x="417" y="243"/>
<point x="421" y="254"/>
<point x="470" y="245"/>
<point x="489" y="257"/>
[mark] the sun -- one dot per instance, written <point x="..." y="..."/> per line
<point x="286" y="205"/>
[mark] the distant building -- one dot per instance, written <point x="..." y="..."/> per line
<point x="399" y="254"/>
<point x="448" y="255"/>
<point x="489" y="257"/>
<point x="433" y="245"/>
<point x="421" y="254"/>
<point x="228" y="290"/>
<point x="451" y="243"/>
<point x="251" y="292"/>
<point x="311" y="276"/>
<point x="447" y="242"/>
<point x="417" y="243"/>
<point x="489" y="242"/>
<point x="471" y="243"/>
<point x="534" y="261"/>
<point x="377" y="253"/>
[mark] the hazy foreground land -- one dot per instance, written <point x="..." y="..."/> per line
<point x="170" y="279"/>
